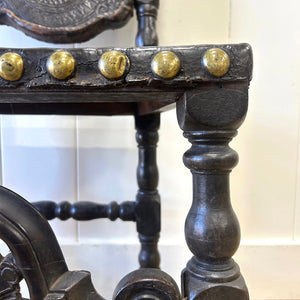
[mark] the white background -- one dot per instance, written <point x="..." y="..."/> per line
<point x="94" y="158"/>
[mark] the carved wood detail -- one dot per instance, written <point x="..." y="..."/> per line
<point x="37" y="254"/>
<point x="86" y="210"/>
<point x="148" y="284"/>
<point x="65" y="21"/>
<point x="148" y="200"/>
<point x="212" y="230"/>
<point x="10" y="277"/>
<point x="146" y="11"/>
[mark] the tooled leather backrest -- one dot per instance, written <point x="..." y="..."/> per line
<point x="70" y="21"/>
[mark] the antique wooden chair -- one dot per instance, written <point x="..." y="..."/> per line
<point x="208" y="84"/>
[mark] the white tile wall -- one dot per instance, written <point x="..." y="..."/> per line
<point x="78" y="158"/>
<point x="264" y="186"/>
<point x="38" y="157"/>
<point x="107" y="159"/>
<point x="192" y="22"/>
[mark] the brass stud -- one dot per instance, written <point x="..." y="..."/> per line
<point x="216" y="61"/>
<point x="113" y="64"/>
<point x="61" y="64"/>
<point x="11" y="66"/>
<point x="165" y="64"/>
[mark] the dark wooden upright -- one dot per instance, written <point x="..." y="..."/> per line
<point x="146" y="11"/>
<point x="209" y="118"/>
<point x="147" y="200"/>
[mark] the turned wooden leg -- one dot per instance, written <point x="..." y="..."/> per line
<point x="146" y="11"/>
<point x="209" y="118"/>
<point x="148" y="200"/>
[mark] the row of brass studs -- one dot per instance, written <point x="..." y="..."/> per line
<point x="114" y="64"/>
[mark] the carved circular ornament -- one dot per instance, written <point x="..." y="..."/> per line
<point x="79" y="8"/>
<point x="62" y="13"/>
<point x="65" y="20"/>
<point x="48" y="3"/>
<point x="52" y="3"/>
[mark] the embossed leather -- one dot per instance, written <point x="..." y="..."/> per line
<point x="65" y="21"/>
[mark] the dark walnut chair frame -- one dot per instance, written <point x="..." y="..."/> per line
<point x="208" y="84"/>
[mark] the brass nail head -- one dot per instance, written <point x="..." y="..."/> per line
<point x="216" y="61"/>
<point x="113" y="64"/>
<point x="61" y="64"/>
<point x="11" y="66"/>
<point x="165" y="64"/>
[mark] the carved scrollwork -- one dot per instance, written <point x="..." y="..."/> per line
<point x="10" y="277"/>
<point x="147" y="284"/>
<point x="65" y="20"/>
<point x="37" y="255"/>
<point x="56" y="13"/>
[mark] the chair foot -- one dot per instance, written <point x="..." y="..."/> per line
<point x="206" y="282"/>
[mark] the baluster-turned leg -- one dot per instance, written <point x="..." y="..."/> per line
<point x="148" y="199"/>
<point x="146" y="11"/>
<point x="209" y="119"/>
